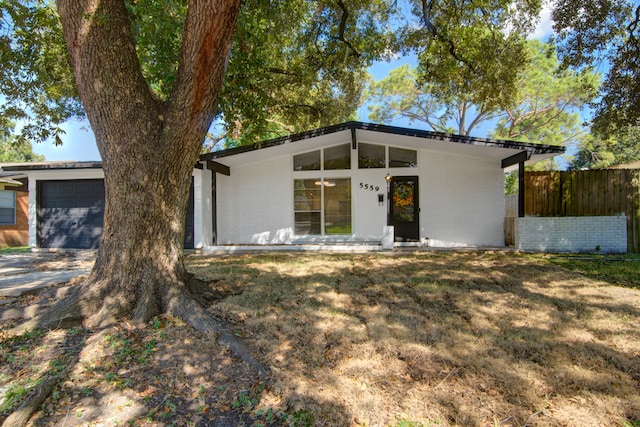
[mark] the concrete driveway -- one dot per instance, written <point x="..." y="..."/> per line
<point x="26" y="272"/>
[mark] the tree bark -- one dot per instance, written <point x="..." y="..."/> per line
<point x="148" y="147"/>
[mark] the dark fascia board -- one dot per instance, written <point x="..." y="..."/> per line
<point x="515" y="159"/>
<point x="10" y="170"/>
<point x="52" y="166"/>
<point x="218" y="167"/>
<point x="395" y="130"/>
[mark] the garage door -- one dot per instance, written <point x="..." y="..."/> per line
<point x="71" y="214"/>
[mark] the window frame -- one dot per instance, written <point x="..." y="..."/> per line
<point x="323" y="159"/>
<point x="386" y="161"/>
<point x="389" y="160"/>
<point x="14" y="207"/>
<point x="323" y="180"/>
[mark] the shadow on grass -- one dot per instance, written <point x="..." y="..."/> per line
<point x="376" y="339"/>
<point x="163" y="374"/>
<point x="621" y="270"/>
<point x="466" y="338"/>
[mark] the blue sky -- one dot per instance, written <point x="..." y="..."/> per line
<point x="79" y="142"/>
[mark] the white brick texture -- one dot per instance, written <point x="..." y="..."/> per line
<point x="572" y="234"/>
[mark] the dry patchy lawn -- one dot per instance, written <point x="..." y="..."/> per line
<point x="410" y="339"/>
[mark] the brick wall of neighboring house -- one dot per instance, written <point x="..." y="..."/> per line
<point x="18" y="234"/>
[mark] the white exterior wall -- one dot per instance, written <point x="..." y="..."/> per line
<point x="255" y="203"/>
<point x="202" y="210"/>
<point x="46" y="175"/>
<point x="461" y="200"/>
<point x="572" y="234"/>
<point x="369" y="217"/>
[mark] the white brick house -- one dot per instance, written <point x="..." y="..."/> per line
<point x="343" y="183"/>
<point x="330" y="185"/>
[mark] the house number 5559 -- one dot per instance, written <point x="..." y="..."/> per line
<point x="370" y="187"/>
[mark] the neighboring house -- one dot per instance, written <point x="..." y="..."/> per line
<point x="339" y="184"/>
<point x="14" y="211"/>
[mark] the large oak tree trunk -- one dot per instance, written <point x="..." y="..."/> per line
<point x="141" y="252"/>
<point x="149" y="147"/>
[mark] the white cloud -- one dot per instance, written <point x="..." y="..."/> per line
<point x="545" y="26"/>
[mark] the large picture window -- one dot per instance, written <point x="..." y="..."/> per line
<point x="322" y="206"/>
<point x="7" y="207"/>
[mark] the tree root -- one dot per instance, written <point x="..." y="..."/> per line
<point x="180" y="301"/>
<point x="183" y="305"/>
<point x="203" y="293"/>
<point x="21" y="416"/>
<point x="65" y="313"/>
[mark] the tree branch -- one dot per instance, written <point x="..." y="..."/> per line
<point x="285" y="126"/>
<point x="203" y="58"/>
<point x="282" y="72"/>
<point x="105" y="63"/>
<point x="427" y="10"/>
<point x="462" y="115"/>
<point x="480" y="117"/>
<point x="343" y="27"/>
<point x="633" y="26"/>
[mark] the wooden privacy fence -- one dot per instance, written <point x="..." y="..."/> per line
<point x="605" y="192"/>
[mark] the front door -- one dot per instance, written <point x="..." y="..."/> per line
<point x="404" y="208"/>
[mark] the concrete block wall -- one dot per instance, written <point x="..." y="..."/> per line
<point x="572" y="234"/>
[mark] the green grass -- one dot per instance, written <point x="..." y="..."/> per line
<point x="403" y="422"/>
<point x="13" y="396"/>
<point x="15" y="250"/>
<point x="615" y="269"/>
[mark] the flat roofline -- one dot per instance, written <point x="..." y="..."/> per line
<point x="395" y="130"/>
<point x="531" y="149"/>
<point x="50" y="166"/>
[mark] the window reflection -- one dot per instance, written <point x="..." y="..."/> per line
<point x="402" y="158"/>
<point x="307" y="161"/>
<point x="370" y="156"/>
<point x="338" y="157"/>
